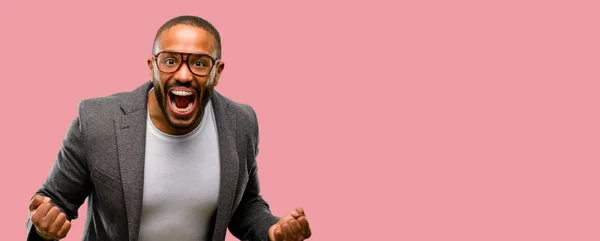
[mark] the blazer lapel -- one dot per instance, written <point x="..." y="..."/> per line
<point x="229" y="166"/>
<point x="131" y="142"/>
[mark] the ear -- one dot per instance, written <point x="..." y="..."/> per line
<point x="220" y="68"/>
<point x="150" y="66"/>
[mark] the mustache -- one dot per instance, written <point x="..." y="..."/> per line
<point x="190" y="85"/>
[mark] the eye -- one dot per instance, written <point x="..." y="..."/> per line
<point x="170" y="62"/>
<point x="199" y="63"/>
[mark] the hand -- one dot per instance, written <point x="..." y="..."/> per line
<point x="50" y="223"/>
<point x="291" y="227"/>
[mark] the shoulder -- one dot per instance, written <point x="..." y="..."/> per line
<point x="239" y="116"/>
<point x="237" y="110"/>
<point x="115" y="104"/>
<point x="103" y="110"/>
<point x="101" y="106"/>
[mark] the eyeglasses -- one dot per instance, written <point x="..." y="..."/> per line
<point x="199" y="64"/>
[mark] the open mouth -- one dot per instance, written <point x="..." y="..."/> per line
<point x="182" y="101"/>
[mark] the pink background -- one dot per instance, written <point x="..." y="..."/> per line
<point x="430" y="120"/>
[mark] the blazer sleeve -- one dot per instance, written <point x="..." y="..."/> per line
<point x="68" y="183"/>
<point x="252" y="218"/>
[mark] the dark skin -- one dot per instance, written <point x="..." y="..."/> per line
<point x="183" y="39"/>
<point x="51" y="223"/>
<point x="291" y="227"/>
<point x="189" y="39"/>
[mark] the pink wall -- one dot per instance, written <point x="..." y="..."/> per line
<point x="430" y="120"/>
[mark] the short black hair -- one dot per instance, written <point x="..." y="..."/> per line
<point x="191" y="21"/>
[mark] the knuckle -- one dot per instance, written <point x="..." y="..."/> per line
<point x="44" y="226"/>
<point x="51" y="233"/>
<point x="57" y="225"/>
<point x="52" y="227"/>
<point x="35" y="219"/>
<point x="43" y="206"/>
<point x="61" y="233"/>
<point x="68" y="226"/>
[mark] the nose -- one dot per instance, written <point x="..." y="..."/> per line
<point x="184" y="74"/>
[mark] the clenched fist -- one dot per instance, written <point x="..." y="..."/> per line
<point x="50" y="223"/>
<point x="291" y="227"/>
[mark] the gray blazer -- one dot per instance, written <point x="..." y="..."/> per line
<point x="102" y="159"/>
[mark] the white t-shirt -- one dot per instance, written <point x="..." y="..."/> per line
<point x="181" y="182"/>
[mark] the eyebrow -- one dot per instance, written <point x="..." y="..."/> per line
<point x="174" y="51"/>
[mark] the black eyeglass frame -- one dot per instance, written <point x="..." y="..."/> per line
<point x="185" y="59"/>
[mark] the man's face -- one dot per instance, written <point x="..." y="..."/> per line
<point x="183" y="92"/>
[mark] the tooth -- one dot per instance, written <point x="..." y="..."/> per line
<point x="181" y="93"/>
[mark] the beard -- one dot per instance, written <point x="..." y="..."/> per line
<point x="202" y="97"/>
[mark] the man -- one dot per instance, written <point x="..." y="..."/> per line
<point x="171" y="160"/>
